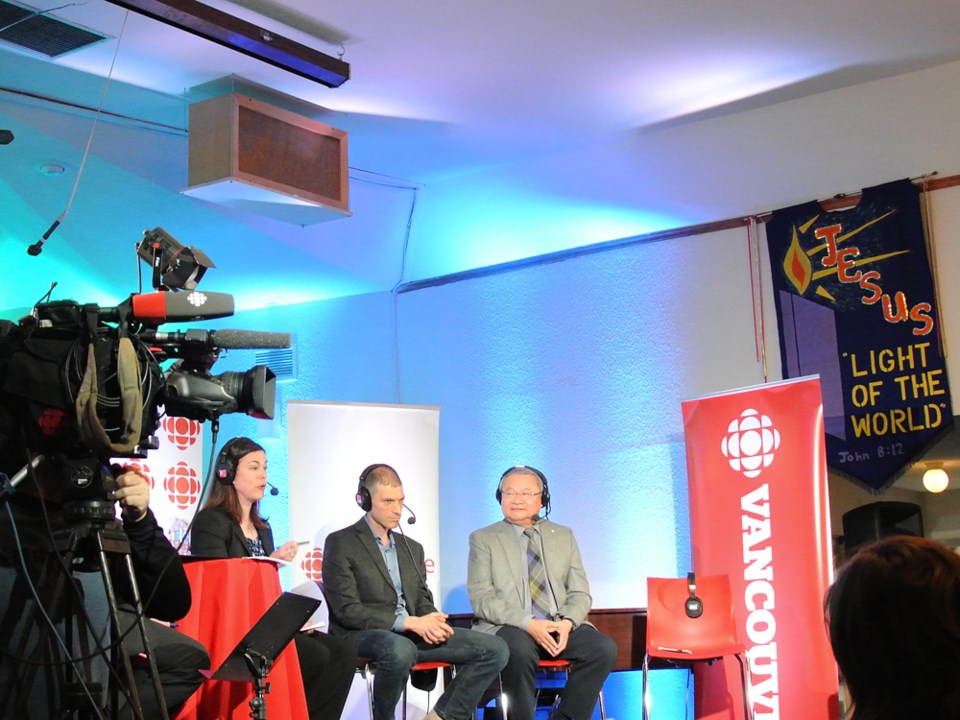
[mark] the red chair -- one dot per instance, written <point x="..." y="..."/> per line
<point x="368" y="668"/>
<point x="691" y="620"/>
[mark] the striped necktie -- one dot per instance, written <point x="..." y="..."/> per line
<point x="537" y="575"/>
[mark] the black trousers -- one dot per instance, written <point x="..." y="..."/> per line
<point x="179" y="659"/>
<point x="328" y="665"/>
<point x="591" y="654"/>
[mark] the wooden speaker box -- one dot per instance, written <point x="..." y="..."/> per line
<point x="256" y="157"/>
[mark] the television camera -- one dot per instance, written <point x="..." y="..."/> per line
<point x="81" y="383"/>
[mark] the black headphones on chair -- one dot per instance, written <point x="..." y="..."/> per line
<point x="544" y="494"/>
<point x="693" y="606"/>
<point x="363" y="498"/>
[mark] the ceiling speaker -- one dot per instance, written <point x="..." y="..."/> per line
<point x="256" y="157"/>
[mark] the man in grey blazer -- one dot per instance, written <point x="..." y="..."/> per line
<point x="375" y="584"/>
<point x="527" y="585"/>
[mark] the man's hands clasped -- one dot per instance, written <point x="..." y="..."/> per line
<point x="433" y="628"/>
<point x="551" y="635"/>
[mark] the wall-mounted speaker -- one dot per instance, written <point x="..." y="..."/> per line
<point x="254" y="156"/>
<point x="878" y="520"/>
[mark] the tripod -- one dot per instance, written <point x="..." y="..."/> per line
<point x="49" y="590"/>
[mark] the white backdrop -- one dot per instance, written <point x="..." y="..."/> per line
<point x="329" y="445"/>
<point x="175" y="473"/>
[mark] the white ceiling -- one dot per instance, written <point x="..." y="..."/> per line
<point x="525" y="128"/>
<point x="479" y="132"/>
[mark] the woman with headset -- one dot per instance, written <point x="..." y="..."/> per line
<point x="230" y="526"/>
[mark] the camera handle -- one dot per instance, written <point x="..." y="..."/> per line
<point x="9" y="484"/>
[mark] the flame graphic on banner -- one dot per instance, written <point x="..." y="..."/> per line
<point x="797" y="266"/>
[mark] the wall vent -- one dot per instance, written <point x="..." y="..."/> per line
<point x="282" y="361"/>
<point x="30" y="29"/>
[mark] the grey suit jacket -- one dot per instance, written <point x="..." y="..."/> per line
<point x="497" y="576"/>
<point x="357" y="584"/>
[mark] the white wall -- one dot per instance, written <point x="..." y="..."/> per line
<point x="733" y="161"/>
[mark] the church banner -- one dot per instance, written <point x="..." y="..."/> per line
<point x="856" y="305"/>
<point x="759" y="512"/>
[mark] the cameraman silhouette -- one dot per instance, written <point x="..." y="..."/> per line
<point x="42" y="676"/>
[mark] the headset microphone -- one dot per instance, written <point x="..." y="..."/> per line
<point x="413" y="516"/>
<point x="693" y="606"/>
<point x="273" y="489"/>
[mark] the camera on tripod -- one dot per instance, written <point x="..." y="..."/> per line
<point x="85" y="383"/>
<point x="82" y="385"/>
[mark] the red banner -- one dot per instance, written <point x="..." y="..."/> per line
<point x="759" y="512"/>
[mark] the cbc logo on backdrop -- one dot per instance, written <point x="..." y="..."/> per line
<point x="182" y="486"/>
<point x="181" y="432"/>
<point x="312" y="564"/>
<point x="750" y="443"/>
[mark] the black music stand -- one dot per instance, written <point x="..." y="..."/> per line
<point x="254" y="655"/>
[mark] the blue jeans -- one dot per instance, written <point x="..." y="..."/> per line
<point x="478" y="658"/>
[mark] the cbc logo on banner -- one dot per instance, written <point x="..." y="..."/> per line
<point x="182" y="485"/>
<point x="312" y="564"/>
<point x="750" y="443"/>
<point x="181" y="432"/>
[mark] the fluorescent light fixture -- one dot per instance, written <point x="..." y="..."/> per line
<point x="245" y="37"/>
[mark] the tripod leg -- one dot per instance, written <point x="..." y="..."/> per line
<point x="117" y="543"/>
<point x="38" y="627"/>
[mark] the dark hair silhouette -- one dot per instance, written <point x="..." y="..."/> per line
<point x="893" y="615"/>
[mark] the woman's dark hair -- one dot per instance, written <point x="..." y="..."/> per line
<point x="224" y="494"/>
<point x="893" y="616"/>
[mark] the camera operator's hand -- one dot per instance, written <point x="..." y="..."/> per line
<point x="133" y="494"/>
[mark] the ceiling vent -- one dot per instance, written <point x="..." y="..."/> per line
<point x="30" y="29"/>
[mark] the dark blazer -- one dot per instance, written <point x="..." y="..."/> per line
<point x="217" y="535"/>
<point x="357" y="583"/>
